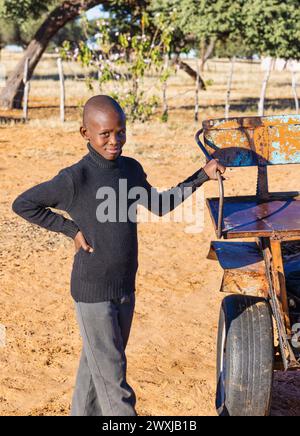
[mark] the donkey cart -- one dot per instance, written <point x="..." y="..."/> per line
<point x="259" y="323"/>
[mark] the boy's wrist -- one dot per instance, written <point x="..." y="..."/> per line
<point x="203" y="175"/>
<point x="70" y="229"/>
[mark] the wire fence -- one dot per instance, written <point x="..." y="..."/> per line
<point x="237" y="85"/>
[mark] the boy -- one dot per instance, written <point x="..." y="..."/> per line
<point x="106" y="259"/>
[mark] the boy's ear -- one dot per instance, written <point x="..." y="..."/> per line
<point x="84" y="133"/>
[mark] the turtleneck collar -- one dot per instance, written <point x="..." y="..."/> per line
<point x="100" y="160"/>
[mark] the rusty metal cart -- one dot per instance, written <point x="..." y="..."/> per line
<point x="258" y="322"/>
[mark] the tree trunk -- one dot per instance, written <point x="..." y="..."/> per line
<point x="207" y="52"/>
<point x="189" y="70"/>
<point x="12" y="94"/>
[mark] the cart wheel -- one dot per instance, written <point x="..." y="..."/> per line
<point x="245" y="357"/>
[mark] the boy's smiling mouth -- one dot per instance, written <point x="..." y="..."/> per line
<point x="113" y="151"/>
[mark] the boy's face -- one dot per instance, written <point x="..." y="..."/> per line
<point x="106" y="131"/>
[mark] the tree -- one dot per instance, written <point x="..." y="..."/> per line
<point x="9" y="33"/>
<point x="235" y="47"/>
<point x="19" y="11"/>
<point x="20" y="20"/>
<point x="12" y="94"/>
<point x="127" y="13"/>
<point x="72" y="32"/>
<point x="203" y="23"/>
<point x="272" y="29"/>
<point x="123" y="58"/>
<point x="56" y="14"/>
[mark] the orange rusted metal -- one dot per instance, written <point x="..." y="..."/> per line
<point x="279" y="281"/>
<point x="289" y="359"/>
<point x="244" y="268"/>
<point x="254" y="141"/>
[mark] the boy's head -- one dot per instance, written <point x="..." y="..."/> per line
<point x="104" y="126"/>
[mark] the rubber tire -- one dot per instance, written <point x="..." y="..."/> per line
<point x="245" y="355"/>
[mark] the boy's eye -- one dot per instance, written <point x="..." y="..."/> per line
<point x="104" y="134"/>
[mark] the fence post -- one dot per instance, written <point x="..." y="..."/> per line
<point x="229" y="85"/>
<point x="196" y="115"/>
<point x="2" y="74"/>
<point x="261" y="105"/>
<point x="26" y="89"/>
<point x="165" y="114"/>
<point x="62" y="89"/>
<point x="294" y="87"/>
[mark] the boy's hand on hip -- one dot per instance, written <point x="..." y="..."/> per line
<point x="212" y="167"/>
<point x="80" y="241"/>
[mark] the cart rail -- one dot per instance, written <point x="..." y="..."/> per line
<point x="254" y="141"/>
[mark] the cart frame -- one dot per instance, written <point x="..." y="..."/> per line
<point x="258" y="270"/>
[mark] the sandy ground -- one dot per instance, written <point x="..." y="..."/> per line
<point x="172" y="347"/>
<point x="171" y="351"/>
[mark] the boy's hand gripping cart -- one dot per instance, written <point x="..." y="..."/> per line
<point x="259" y="324"/>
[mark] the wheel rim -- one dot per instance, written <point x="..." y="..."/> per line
<point x="222" y="375"/>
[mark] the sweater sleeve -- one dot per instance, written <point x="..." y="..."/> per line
<point x="58" y="193"/>
<point x="161" y="203"/>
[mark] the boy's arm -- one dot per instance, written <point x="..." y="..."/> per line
<point x="161" y="203"/>
<point x="33" y="204"/>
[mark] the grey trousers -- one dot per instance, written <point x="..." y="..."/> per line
<point x="101" y="387"/>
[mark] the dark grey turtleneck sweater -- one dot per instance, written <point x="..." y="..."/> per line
<point x="110" y="270"/>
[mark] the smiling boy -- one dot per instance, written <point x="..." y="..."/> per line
<point x="106" y="258"/>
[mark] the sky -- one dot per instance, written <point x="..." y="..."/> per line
<point x="95" y="12"/>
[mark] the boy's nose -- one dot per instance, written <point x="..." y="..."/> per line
<point x="114" y="140"/>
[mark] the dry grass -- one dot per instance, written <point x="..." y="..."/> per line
<point x="171" y="352"/>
